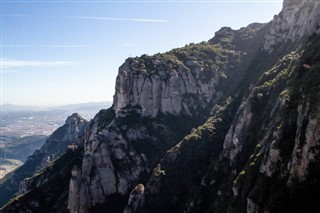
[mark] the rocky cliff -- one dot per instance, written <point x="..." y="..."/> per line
<point x="166" y="91"/>
<point x="228" y="125"/>
<point x="256" y="153"/>
<point x="297" y="19"/>
<point x="189" y="79"/>
<point x="154" y="96"/>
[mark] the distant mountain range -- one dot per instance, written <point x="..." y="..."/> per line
<point x="70" y="107"/>
<point x="12" y="108"/>
<point x="83" y="106"/>
<point x="230" y="125"/>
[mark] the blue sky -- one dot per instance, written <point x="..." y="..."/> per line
<point x="63" y="52"/>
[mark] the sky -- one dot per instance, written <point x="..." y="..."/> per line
<point x="56" y="52"/>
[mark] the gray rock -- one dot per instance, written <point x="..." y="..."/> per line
<point x="100" y="176"/>
<point x="304" y="151"/>
<point x="78" y="200"/>
<point x="136" y="199"/>
<point x="164" y="91"/>
<point x="296" y="20"/>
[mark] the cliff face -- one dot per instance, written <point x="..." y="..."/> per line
<point x="110" y="166"/>
<point x="258" y="152"/>
<point x="297" y="19"/>
<point x="166" y="91"/>
<point x="228" y="125"/>
<point x="154" y="96"/>
<point x="188" y="79"/>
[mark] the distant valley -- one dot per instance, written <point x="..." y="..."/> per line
<point x="23" y="129"/>
<point x="20" y="121"/>
<point x="8" y="166"/>
<point x="228" y="125"/>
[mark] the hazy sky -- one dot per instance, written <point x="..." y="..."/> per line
<point x="60" y="52"/>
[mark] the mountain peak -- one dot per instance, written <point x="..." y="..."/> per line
<point x="215" y="126"/>
<point x="74" y="118"/>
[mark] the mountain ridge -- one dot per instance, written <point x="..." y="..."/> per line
<point x="54" y="146"/>
<point x="228" y="125"/>
<point x="14" y="107"/>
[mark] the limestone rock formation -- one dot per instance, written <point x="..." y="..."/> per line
<point x="102" y="150"/>
<point x="165" y="91"/>
<point x="297" y="19"/>
<point x="153" y="95"/>
<point x="78" y="200"/>
<point x="215" y="126"/>
<point x="307" y="139"/>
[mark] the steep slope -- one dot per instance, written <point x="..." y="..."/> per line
<point x="154" y="108"/>
<point x="228" y="125"/>
<point x="186" y="79"/>
<point x="265" y="158"/>
<point x="53" y="148"/>
<point x="47" y="191"/>
<point x="158" y="100"/>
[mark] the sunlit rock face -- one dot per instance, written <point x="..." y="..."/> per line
<point x="167" y="91"/>
<point x="254" y="149"/>
<point x="297" y="19"/>
<point x="268" y="157"/>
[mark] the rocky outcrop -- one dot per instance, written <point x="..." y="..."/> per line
<point x="117" y="154"/>
<point x="78" y="200"/>
<point x="136" y="199"/>
<point x="307" y="139"/>
<point x="297" y="19"/>
<point x="216" y="126"/>
<point x="66" y="134"/>
<point x="168" y="90"/>
<point x="189" y="79"/>
<point x="110" y="163"/>
<point x="233" y="141"/>
<point x="155" y="95"/>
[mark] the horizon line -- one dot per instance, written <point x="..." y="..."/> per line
<point x="56" y="105"/>
<point x="151" y="1"/>
<point x="43" y="46"/>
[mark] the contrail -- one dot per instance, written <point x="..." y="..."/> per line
<point x="118" y="19"/>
